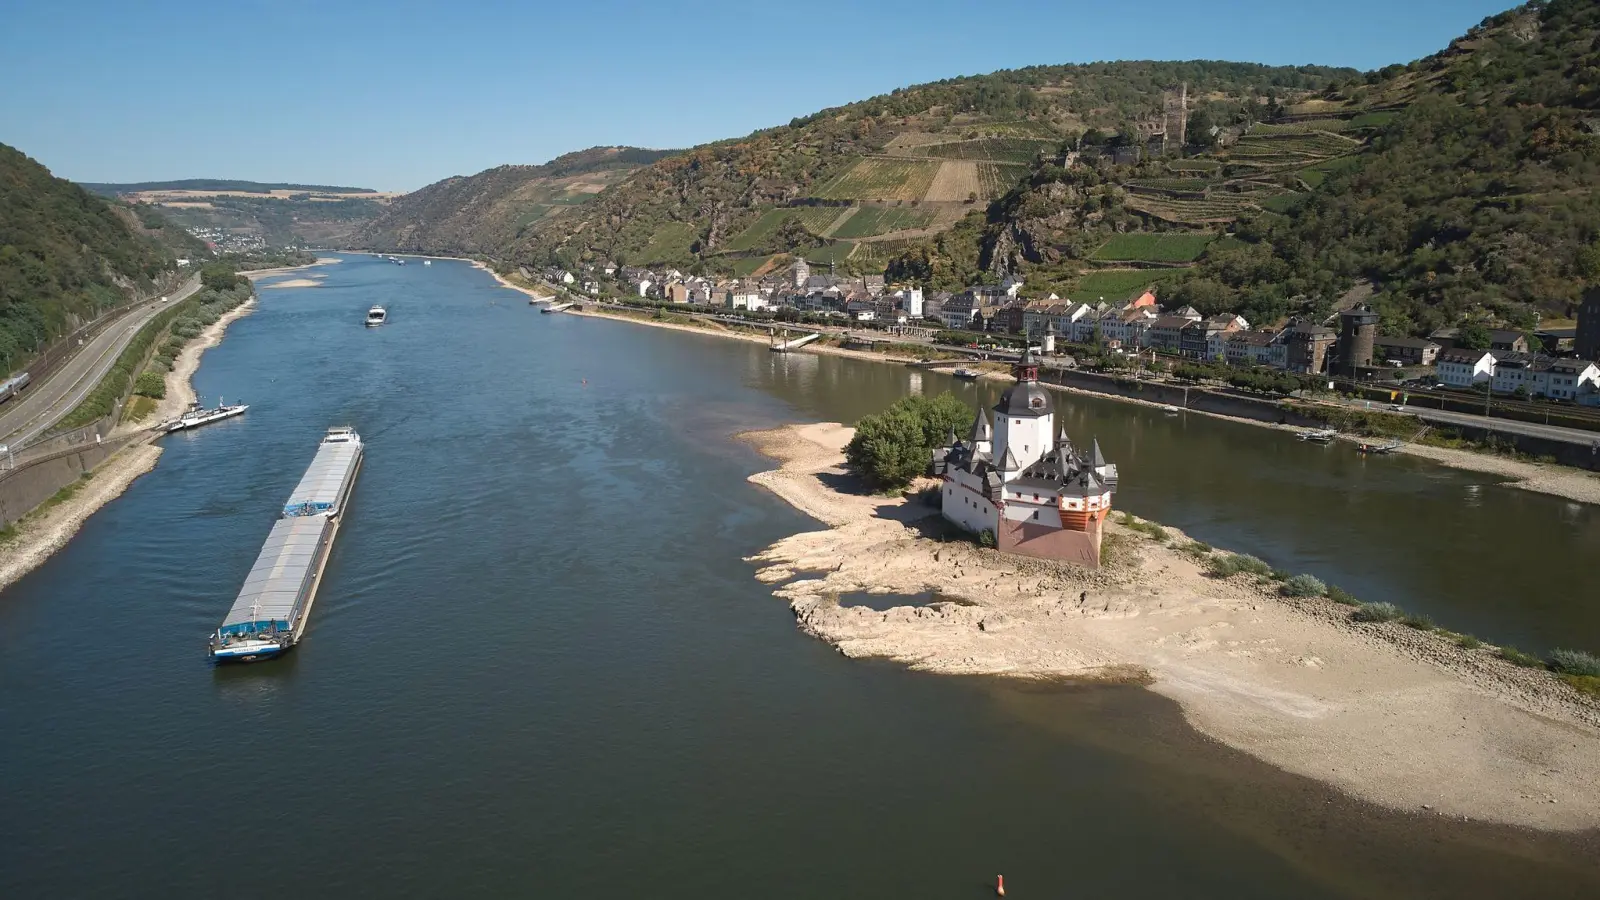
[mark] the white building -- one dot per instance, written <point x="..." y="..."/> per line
<point x="1023" y="483"/>
<point x="912" y="300"/>
<point x="1464" y="368"/>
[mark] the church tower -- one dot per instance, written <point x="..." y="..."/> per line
<point x="1024" y="419"/>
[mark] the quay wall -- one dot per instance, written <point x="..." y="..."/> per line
<point x="38" y="478"/>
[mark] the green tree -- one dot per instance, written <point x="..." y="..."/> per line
<point x="894" y="446"/>
<point x="218" y="276"/>
<point x="1474" y="336"/>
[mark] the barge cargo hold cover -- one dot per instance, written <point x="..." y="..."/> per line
<point x="327" y="482"/>
<point x="270" y="613"/>
<point x="271" y="606"/>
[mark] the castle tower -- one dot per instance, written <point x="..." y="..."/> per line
<point x="1358" y="328"/>
<point x="1049" y="345"/>
<point x="1024" y="419"/>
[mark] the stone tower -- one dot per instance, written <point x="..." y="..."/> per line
<point x="1358" y="328"/>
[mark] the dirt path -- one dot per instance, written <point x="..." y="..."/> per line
<point x="1392" y="715"/>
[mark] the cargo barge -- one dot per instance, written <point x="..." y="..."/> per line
<point x="269" y="616"/>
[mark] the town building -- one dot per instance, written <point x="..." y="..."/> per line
<point x="1306" y="346"/>
<point x="799" y="272"/>
<point x="1248" y="348"/>
<point x="1407" y="351"/>
<point x="1463" y="368"/>
<point x="1508" y="341"/>
<point x="1023" y="482"/>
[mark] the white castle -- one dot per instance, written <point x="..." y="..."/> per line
<point x="1024" y="482"/>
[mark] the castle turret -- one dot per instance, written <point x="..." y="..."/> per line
<point x="1024" y="419"/>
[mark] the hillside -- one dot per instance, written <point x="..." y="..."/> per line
<point x="67" y="255"/>
<point x="1476" y="199"/>
<point x="857" y="184"/>
<point x="212" y="185"/>
<point x="245" y="215"/>
<point x="490" y="211"/>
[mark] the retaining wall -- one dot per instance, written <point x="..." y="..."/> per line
<point x="38" y="479"/>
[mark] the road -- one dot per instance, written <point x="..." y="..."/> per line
<point x="43" y="404"/>
<point x="1532" y="429"/>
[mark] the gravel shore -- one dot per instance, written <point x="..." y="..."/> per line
<point x="1399" y="717"/>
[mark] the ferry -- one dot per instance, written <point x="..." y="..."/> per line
<point x="966" y="374"/>
<point x="377" y="316"/>
<point x="1320" y="436"/>
<point x="196" y="415"/>
<point x="270" y="613"/>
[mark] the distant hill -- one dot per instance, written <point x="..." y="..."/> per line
<point x="67" y="255"/>
<point x="492" y="210"/>
<point x="216" y="184"/>
<point x="1459" y="187"/>
<point x="278" y="214"/>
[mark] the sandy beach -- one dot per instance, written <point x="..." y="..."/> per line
<point x="258" y="274"/>
<point x="40" y="536"/>
<point x="1395" y="716"/>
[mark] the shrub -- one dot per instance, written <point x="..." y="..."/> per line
<point x="1251" y="565"/>
<point x="1279" y="575"/>
<point x="151" y="384"/>
<point x="1340" y="595"/>
<point x="1196" y="548"/>
<point x="1575" y="662"/>
<point x="1376" y="612"/>
<point x="1417" y="621"/>
<point x="986" y="538"/>
<point x="1467" y="642"/>
<point x="1304" y="586"/>
<point x="1518" y="658"/>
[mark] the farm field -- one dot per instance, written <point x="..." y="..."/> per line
<point x="670" y="242"/>
<point x="957" y="180"/>
<point x="1214" y="209"/>
<point x="1174" y="184"/>
<point x="746" y="266"/>
<point x="995" y="179"/>
<point x="1334" y="125"/>
<point x="834" y="253"/>
<point x="882" y="179"/>
<point x="1373" y="119"/>
<point x="1197" y="166"/>
<point x="815" y="219"/>
<point x="1317" y="174"/>
<point x="1117" y="285"/>
<point x="873" y="220"/>
<point x="1174" y="248"/>
<point x="1012" y="150"/>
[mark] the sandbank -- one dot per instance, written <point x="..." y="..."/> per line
<point x="1398" y="717"/>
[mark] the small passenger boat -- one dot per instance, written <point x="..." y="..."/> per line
<point x="377" y="316"/>
<point x="966" y="374"/>
<point x="1319" y="436"/>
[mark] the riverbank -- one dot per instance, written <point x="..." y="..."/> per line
<point x="256" y="274"/>
<point x="1399" y="717"/>
<point x="1560" y="481"/>
<point x="180" y="380"/>
<point x="764" y="340"/>
<point x="40" y="535"/>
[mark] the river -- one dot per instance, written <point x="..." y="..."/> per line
<point x="539" y="666"/>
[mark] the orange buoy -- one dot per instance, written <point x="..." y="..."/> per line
<point x="999" y="885"/>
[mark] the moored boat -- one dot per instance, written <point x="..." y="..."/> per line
<point x="966" y="374"/>
<point x="1320" y="436"/>
<point x="269" y="614"/>
<point x="196" y="415"/>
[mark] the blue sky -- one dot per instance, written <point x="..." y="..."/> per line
<point x="394" y="95"/>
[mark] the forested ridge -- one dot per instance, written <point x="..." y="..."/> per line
<point x="67" y="255"/>
<point x="1477" y="201"/>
